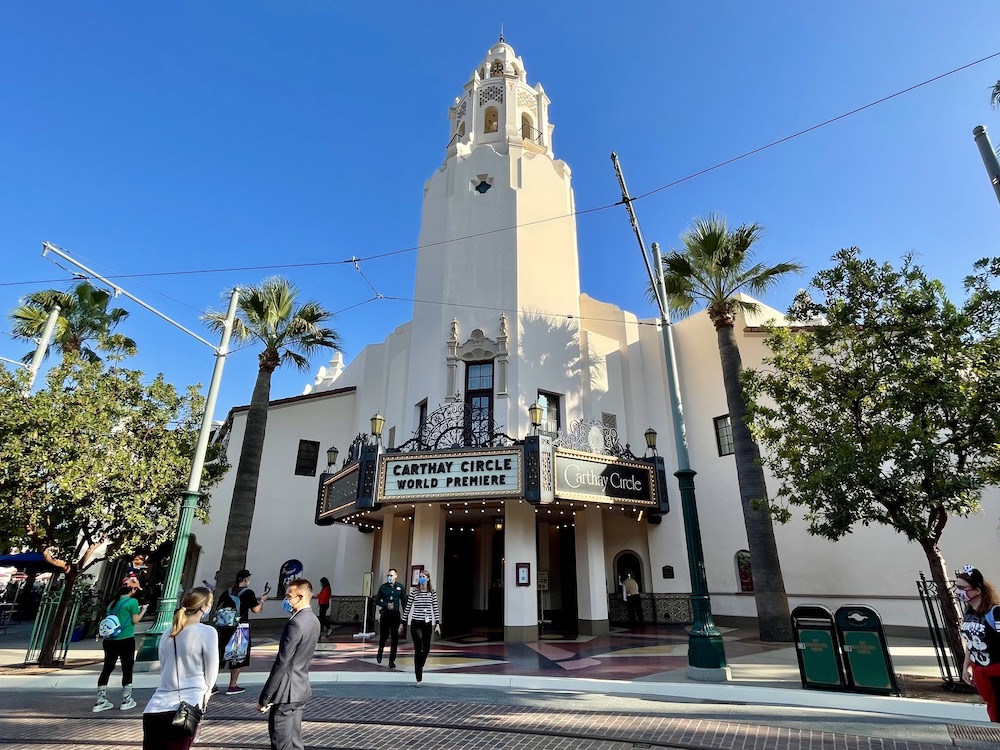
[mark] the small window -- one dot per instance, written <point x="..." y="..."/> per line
<point x="550" y="412"/>
<point x="307" y="458"/>
<point x="527" y="129"/>
<point x="491" y="120"/>
<point x="461" y="129"/>
<point x="724" y="435"/>
<point x="496" y="68"/>
<point x="421" y="419"/>
<point x="744" y="571"/>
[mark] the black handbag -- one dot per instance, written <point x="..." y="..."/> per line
<point x="187" y="717"/>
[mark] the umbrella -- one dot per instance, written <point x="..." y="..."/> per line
<point x="29" y="561"/>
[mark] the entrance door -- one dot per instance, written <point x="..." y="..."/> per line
<point x="471" y="599"/>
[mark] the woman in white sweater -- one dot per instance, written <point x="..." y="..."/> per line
<point x="189" y="665"/>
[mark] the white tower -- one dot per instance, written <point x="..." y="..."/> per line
<point x="497" y="271"/>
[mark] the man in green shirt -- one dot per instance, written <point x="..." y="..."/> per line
<point x="391" y="598"/>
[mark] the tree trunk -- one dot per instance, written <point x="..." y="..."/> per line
<point x="46" y="657"/>
<point x="773" y="618"/>
<point x="950" y="611"/>
<point x="234" y="550"/>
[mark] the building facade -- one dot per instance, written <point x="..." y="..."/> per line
<point x="526" y="526"/>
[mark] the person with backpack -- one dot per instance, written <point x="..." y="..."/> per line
<point x="117" y="631"/>
<point x="232" y="620"/>
<point x="189" y="664"/>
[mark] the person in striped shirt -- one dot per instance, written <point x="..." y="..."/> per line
<point x="423" y="614"/>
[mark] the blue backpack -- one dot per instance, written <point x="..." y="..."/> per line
<point x="111" y="626"/>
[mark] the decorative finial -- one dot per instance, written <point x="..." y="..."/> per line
<point x="501" y="33"/>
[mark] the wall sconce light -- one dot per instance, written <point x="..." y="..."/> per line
<point x="378" y="422"/>
<point x="650" y="436"/>
<point x="498" y="523"/>
<point x="331" y="456"/>
<point x="535" y="415"/>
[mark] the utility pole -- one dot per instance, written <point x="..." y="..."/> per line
<point x="706" y="651"/>
<point x="989" y="157"/>
<point x="148" y="651"/>
<point x="41" y="346"/>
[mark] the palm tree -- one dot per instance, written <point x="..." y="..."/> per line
<point x="289" y="332"/>
<point x="714" y="267"/>
<point x="995" y="95"/>
<point x="84" y="318"/>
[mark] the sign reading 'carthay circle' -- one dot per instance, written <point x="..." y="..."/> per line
<point x="447" y="475"/>
<point x="603" y="479"/>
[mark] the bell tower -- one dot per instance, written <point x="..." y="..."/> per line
<point x="497" y="254"/>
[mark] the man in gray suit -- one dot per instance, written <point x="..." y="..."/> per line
<point x="287" y="688"/>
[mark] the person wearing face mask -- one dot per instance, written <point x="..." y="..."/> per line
<point x="390" y="599"/>
<point x="235" y="606"/>
<point x="982" y="641"/>
<point x="287" y="688"/>
<point x="422" y="613"/>
<point x="189" y="664"/>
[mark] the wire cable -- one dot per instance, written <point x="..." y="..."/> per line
<point x="377" y="256"/>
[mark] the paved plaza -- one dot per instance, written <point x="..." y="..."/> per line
<point x="627" y="690"/>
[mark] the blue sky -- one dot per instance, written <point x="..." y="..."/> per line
<point x="191" y="136"/>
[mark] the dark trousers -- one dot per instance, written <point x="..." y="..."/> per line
<point x="284" y="726"/>
<point x="421" y="632"/>
<point x="323" y="622"/>
<point x="113" y="651"/>
<point x="158" y="734"/>
<point x="634" y="603"/>
<point x="389" y="631"/>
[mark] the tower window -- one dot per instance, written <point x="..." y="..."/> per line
<point x="491" y="120"/>
<point x="528" y="131"/>
<point x="496" y="68"/>
<point x="550" y="412"/>
<point x="461" y="129"/>
<point x="724" y="435"/>
<point x="479" y="399"/>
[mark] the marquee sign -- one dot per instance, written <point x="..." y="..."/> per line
<point x="337" y="494"/>
<point x="604" y="479"/>
<point x="450" y="475"/>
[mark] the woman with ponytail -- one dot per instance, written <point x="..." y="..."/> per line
<point x="189" y="665"/>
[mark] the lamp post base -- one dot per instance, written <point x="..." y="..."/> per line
<point x="709" y="674"/>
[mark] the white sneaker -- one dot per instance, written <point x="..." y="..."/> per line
<point x="103" y="704"/>
<point x="127" y="704"/>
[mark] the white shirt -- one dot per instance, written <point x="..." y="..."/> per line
<point x="197" y="668"/>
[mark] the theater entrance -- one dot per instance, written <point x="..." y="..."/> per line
<point x="471" y="587"/>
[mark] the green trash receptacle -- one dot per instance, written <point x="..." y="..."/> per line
<point x="816" y="648"/>
<point x="866" y="651"/>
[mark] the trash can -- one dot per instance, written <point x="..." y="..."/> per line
<point x="817" y="648"/>
<point x="866" y="652"/>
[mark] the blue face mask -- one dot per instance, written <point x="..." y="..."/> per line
<point x="422" y="580"/>
<point x="287" y="606"/>
<point x="388" y="579"/>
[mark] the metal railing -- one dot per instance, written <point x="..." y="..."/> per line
<point x="930" y="598"/>
<point x="43" y="624"/>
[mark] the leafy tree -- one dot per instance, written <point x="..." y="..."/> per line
<point x="995" y="95"/>
<point x="94" y="464"/>
<point x="289" y="332"/>
<point x="884" y="408"/>
<point x="713" y="269"/>
<point x="84" y="318"/>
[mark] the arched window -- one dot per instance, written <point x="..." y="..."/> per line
<point x="496" y="68"/>
<point x="461" y="129"/>
<point x="527" y="129"/>
<point x="744" y="571"/>
<point x="491" y="120"/>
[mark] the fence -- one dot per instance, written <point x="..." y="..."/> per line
<point x="44" y="621"/>
<point x="930" y="598"/>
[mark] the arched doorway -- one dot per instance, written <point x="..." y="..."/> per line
<point x="627" y="563"/>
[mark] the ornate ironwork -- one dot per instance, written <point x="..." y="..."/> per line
<point x="457" y="426"/>
<point x="593" y="436"/>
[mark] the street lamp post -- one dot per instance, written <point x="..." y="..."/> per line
<point x="148" y="651"/>
<point x="706" y="651"/>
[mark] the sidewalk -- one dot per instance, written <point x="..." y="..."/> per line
<point x="647" y="662"/>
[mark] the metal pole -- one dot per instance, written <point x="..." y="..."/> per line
<point x="989" y="157"/>
<point x="43" y="345"/>
<point x="706" y="651"/>
<point x="148" y="652"/>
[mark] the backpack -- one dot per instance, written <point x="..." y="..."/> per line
<point x="229" y="617"/>
<point x="111" y="626"/>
